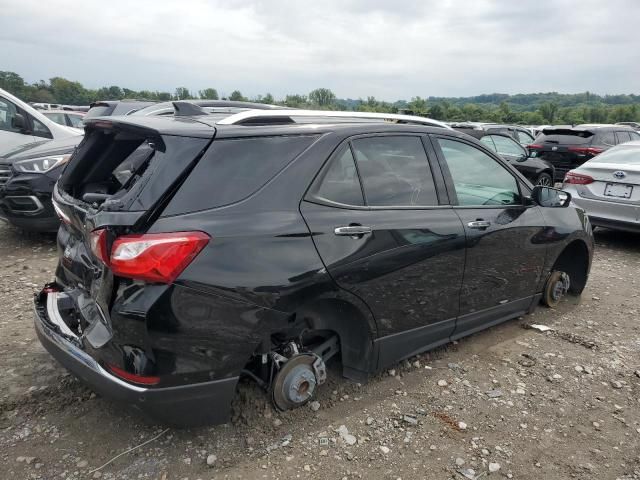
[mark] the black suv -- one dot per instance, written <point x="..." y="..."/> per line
<point x="194" y="252"/>
<point x="536" y="170"/>
<point x="567" y="148"/>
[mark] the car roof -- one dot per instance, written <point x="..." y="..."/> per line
<point x="205" y="126"/>
<point x="474" y="132"/>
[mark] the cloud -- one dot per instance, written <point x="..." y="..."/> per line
<point x="355" y="47"/>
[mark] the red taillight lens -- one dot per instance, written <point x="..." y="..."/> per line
<point x="98" y="241"/>
<point x="586" y="150"/>
<point x="534" y="146"/>
<point x="155" y="257"/>
<point x="577" y="179"/>
<point x="132" y="377"/>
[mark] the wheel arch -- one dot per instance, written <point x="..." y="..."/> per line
<point x="574" y="259"/>
<point x="354" y="327"/>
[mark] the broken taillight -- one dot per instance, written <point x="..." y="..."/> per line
<point x="155" y="257"/>
<point x="98" y="242"/>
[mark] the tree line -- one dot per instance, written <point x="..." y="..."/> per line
<point x="532" y="109"/>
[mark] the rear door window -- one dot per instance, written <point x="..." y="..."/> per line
<point x="524" y="138"/>
<point x="395" y="171"/>
<point x="607" y="138"/>
<point x="232" y="170"/>
<point x="339" y="183"/>
<point x="623" y="137"/>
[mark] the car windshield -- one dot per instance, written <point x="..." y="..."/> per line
<point x="623" y="155"/>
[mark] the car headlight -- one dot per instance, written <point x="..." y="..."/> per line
<point x="41" y="164"/>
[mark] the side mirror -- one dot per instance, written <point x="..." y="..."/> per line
<point x="18" y="122"/>
<point x="523" y="157"/>
<point x="550" y="197"/>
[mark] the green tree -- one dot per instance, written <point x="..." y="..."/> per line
<point x="182" y="93"/>
<point x="268" y="99"/>
<point x="12" y="83"/>
<point x="68" y="92"/>
<point x="296" y="101"/>
<point x="209" y="94"/>
<point x="418" y="105"/>
<point x="436" y="112"/>
<point x="549" y="110"/>
<point x="322" y="97"/>
<point x="236" y="96"/>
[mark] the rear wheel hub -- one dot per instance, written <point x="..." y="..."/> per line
<point x="295" y="382"/>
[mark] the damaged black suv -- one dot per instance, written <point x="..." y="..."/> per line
<point x="194" y="252"/>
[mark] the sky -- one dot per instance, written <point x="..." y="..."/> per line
<point x="389" y="49"/>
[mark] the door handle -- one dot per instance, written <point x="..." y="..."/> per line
<point x="479" y="224"/>
<point x="352" y="231"/>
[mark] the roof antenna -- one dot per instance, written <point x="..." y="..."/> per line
<point x="187" y="109"/>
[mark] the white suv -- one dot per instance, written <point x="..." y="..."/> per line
<point x="20" y="123"/>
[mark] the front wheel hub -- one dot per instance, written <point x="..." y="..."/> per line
<point x="556" y="287"/>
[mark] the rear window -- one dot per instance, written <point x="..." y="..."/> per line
<point x="108" y="167"/>
<point x="565" y="136"/>
<point x="232" y="170"/>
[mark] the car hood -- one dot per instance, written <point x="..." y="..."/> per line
<point x="41" y="149"/>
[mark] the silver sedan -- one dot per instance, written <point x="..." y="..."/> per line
<point x="608" y="187"/>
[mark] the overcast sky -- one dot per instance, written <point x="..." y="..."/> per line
<point x="389" y="49"/>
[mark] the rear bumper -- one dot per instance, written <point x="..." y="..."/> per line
<point x="608" y="214"/>
<point x="185" y="405"/>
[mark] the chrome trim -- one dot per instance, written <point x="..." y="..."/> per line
<point x="74" y="351"/>
<point x="34" y="199"/>
<point x="479" y="224"/>
<point x="251" y="114"/>
<point x="352" y="231"/>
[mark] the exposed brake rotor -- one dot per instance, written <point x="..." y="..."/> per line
<point x="296" y="381"/>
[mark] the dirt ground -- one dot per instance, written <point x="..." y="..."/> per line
<point x="510" y="402"/>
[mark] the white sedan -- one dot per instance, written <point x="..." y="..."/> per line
<point x="608" y="187"/>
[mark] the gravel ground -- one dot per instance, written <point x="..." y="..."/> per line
<point x="510" y="402"/>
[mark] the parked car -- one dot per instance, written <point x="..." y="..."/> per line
<point x="608" y="187"/>
<point x="65" y="117"/>
<point x="519" y="133"/>
<point x="568" y="148"/>
<point x="106" y="108"/>
<point x="20" y="124"/>
<point x="27" y="176"/>
<point x="194" y="251"/>
<point x="536" y="170"/>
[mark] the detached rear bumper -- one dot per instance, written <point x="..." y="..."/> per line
<point x="185" y="405"/>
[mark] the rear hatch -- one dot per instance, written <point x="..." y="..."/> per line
<point x="564" y="148"/>
<point x="117" y="182"/>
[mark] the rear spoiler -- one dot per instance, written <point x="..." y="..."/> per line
<point x="568" y="131"/>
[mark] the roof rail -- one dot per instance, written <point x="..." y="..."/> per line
<point x="253" y="117"/>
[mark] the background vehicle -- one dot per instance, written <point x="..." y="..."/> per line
<point x="369" y="240"/>
<point x="608" y="187"/>
<point x="66" y="117"/>
<point x="536" y="170"/>
<point x="105" y="108"/>
<point x="27" y="176"/>
<point x="519" y="133"/>
<point x="20" y="123"/>
<point x="568" y="148"/>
